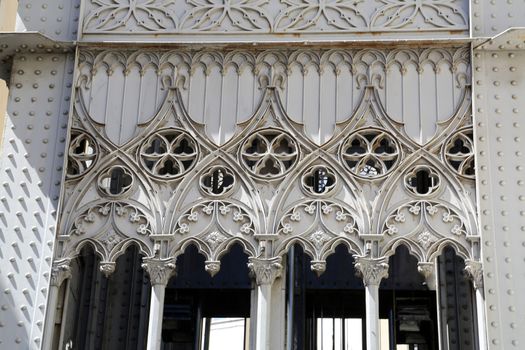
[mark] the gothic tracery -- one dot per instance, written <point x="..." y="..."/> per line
<point x="168" y="183"/>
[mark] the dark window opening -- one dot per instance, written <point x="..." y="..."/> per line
<point x="270" y="168"/>
<point x="458" y="314"/>
<point x="119" y="181"/>
<point x="423" y="183"/>
<point x="284" y="147"/>
<point x="156" y="147"/>
<point x="219" y="181"/>
<point x="320" y="181"/>
<point x="184" y="148"/>
<point x="256" y="147"/>
<point x="326" y="312"/>
<point x="408" y="305"/>
<point x="385" y="147"/>
<point x="356" y="147"/>
<point x="459" y="146"/>
<point x="202" y="312"/>
<point x="105" y="313"/>
<point x="169" y="168"/>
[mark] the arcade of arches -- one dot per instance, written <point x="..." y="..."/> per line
<point x="280" y="199"/>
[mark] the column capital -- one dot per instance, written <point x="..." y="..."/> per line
<point x="372" y="271"/>
<point x="474" y="271"/>
<point x="159" y="271"/>
<point x="60" y="271"/>
<point x="265" y="271"/>
<point x="107" y="268"/>
<point x="428" y="270"/>
<point x="425" y="268"/>
<point x="212" y="267"/>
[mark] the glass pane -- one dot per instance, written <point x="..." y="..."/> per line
<point x="353" y="334"/>
<point x="332" y="332"/>
<point x="384" y="335"/>
<point x="325" y="333"/>
<point x="225" y="333"/>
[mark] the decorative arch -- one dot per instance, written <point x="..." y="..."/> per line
<point x="264" y="208"/>
<point x="465" y="252"/>
<point x="271" y="113"/>
<point x="190" y="192"/>
<point x="88" y="193"/>
<point x="318" y="221"/>
<point x="450" y="192"/>
<point x="346" y="192"/>
<point x="212" y="255"/>
<point x="413" y="248"/>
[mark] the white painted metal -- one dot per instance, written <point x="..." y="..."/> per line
<point x="56" y="19"/>
<point x="481" y="320"/>
<point x="262" y="334"/>
<point x="218" y="97"/>
<point x="499" y="107"/>
<point x="265" y="271"/>
<point x="52" y="300"/>
<point x="372" y="271"/>
<point x="32" y="155"/>
<point x="156" y="305"/>
<point x="372" y="317"/>
<point x="272" y="20"/>
<point x="160" y="272"/>
<point x="212" y="83"/>
<point x="491" y="17"/>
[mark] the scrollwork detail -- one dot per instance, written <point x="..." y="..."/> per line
<point x="331" y="217"/>
<point x="301" y="15"/>
<point x="430" y="217"/>
<point x="398" y="14"/>
<point x="154" y="15"/>
<point x="226" y="16"/>
<point x="122" y="217"/>
<point x="230" y="220"/>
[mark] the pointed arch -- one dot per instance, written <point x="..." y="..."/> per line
<point x="212" y="255"/>
<point x="353" y="197"/>
<point x="73" y="252"/>
<point x="97" y="129"/>
<point x="79" y="201"/>
<point x="450" y="185"/>
<point x="465" y="252"/>
<point x="270" y="113"/>
<point x="369" y="112"/>
<point x="413" y="248"/>
<point x="120" y="249"/>
<point x="242" y="192"/>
